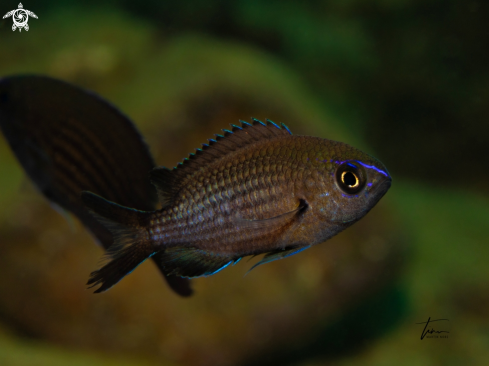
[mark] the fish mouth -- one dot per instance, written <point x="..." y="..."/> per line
<point x="375" y="195"/>
<point x="382" y="188"/>
<point x="386" y="184"/>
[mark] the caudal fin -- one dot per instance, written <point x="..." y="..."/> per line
<point x="131" y="246"/>
<point x="56" y="129"/>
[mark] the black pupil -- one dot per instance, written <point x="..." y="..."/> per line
<point x="349" y="179"/>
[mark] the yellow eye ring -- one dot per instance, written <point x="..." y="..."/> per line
<point x="350" y="178"/>
<point x="354" y="185"/>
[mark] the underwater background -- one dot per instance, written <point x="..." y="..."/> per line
<point x="406" y="81"/>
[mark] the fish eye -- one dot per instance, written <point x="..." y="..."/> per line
<point x="350" y="178"/>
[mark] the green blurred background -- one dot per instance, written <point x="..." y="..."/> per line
<point x="404" y="80"/>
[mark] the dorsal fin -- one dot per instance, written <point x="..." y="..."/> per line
<point x="167" y="181"/>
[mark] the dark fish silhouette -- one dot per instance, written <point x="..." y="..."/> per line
<point x="255" y="190"/>
<point x="68" y="141"/>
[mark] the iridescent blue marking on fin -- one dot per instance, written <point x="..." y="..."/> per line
<point x="194" y="262"/>
<point x="257" y="121"/>
<point x="284" y="126"/>
<point x="245" y="124"/>
<point x="273" y="256"/>
<point x="269" y="121"/>
<point x="233" y="262"/>
<point x="220" y="269"/>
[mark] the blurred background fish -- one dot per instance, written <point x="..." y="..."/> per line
<point x="403" y="80"/>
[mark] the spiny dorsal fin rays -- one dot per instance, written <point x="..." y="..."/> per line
<point x="257" y="130"/>
<point x="168" y="181"/>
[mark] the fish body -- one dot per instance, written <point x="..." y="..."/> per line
<point x="256" y="189"/>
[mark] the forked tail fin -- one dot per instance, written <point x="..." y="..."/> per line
<point x="69" y="140"/>
<point x="131" y="244"/>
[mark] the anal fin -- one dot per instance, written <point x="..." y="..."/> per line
<point x="193" y="262"/>
<point x="278" y="254"/>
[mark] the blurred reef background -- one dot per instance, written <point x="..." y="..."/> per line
<point x="404" y="80"/>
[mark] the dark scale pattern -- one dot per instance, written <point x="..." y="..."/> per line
<point x="256" y="183"/>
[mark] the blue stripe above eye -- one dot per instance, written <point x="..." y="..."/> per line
<point x="352" y="165"/>
<point x="372" y="167"/>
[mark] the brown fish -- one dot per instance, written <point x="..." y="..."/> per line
<point x="257" y="189"/>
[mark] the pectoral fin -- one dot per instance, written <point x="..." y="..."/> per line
<point x="273" y="223"/>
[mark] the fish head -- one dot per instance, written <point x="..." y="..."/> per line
<point x="350" y="187"/>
